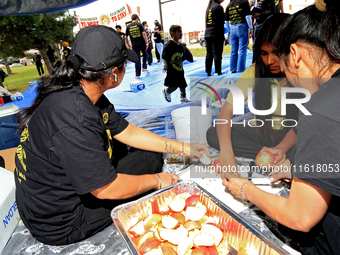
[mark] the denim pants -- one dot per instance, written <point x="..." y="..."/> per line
<point x="239" y="46"/>
<point x="160" y="50"/>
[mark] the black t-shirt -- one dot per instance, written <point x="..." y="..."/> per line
<point x="122" y="35"/>
<point x="37" y="60"/>
<point x="268" y="8"/>
<point x="65" y="151"/>
<point x="237" y="11"/>
<point x="135" y="31"/>
<point x="317" y="149"/>
<point x="66" y="52"/>
<point x="215" y="22"/>
<point x="173" y="54"/>
<point x="158" y="36"/>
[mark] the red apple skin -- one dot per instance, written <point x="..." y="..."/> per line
<point x="212" y="250"/>
<point x="201" y="250"/>
<point x="155" y="207"/>
<point x="192" y="201"/>
<point x="178" y="216"/>
<point x="149" y="245"/>
<point x="167" y="250"/>
<point x="265" y="158"/>
<point x="216" y="163"/>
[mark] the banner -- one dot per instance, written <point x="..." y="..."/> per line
<point x="105" y="19"/>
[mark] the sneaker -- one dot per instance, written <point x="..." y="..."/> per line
<point x="184" y="100"/>
<point x="167" y="96"/>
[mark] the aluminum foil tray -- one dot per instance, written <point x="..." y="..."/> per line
<point x="237" y="232"/>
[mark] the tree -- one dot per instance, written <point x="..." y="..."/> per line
<point x="21" y="33"/>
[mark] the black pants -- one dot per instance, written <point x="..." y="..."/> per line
<point x="245" y="140"/>
<point x="40" y="68"/>
<point x="169" y="90"/>
<point x="138" y="50"/>
<point x="96" y="211"/>
<point x="214" y="48"/>
<point x="149" y="53"/>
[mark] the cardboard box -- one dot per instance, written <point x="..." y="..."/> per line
<point x="8" y="207"/>
<point x="9" y="157"/>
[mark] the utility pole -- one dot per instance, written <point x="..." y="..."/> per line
<point x="160" y="8"/>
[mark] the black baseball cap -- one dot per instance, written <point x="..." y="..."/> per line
<point x="101" y="47"/>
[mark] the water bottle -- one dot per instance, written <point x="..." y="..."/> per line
<point x="137" y="86"/>
<point x="17" y="97"/>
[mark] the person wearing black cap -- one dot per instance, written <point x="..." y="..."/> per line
<point x="72" y="164"/>
<point x="135" y="30"/>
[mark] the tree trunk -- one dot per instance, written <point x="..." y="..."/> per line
<point x="1" y="84"/>
<point x="46" y="59"/>
<point x="9" y="71"/>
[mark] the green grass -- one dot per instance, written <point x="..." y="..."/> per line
<point x="18" y="80"/>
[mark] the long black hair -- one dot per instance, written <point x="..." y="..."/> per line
<point x="314" y="27"/>
<point x="263" y="91"/>
<point x="65" y="75"/>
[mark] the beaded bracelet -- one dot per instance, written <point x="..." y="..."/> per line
<point x="160" y="181"/>
<point x="241" y="192"/>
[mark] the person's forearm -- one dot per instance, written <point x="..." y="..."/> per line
<point x="224" y="134"/>
<point x="288" y="141"/>
<point x="117" y="189"/>
<point x="145" y="38"/>
<point x="143" y="139"/>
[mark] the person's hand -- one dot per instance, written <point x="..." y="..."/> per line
<point x="234" y="185"/>
<point x="146" y="48"/>
<point x="195" y="150"/>
<point x="167" y="179"/>
<point x="165" y="70"/>
<point x="280" y="155"/>
<point x="228" y="167"/>
<point x="281" y="171"/>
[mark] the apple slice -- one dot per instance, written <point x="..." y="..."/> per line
<point x="184" y="246"/>
<point x="183" y="195"/>
<point x="179" y="234"/>
<point x="157" y="236"/>
<point x="192" y="201"/>
<point x="214" y="231"/>
<point x="151" y="221"/>
<point x="185" y="215"/>
<point x="201" y="206"/>
<point x="194" y="213"/>
<point x="138" y="229"/>
<point x="191" y="225"/>
<point x="165" y="233"/>
<point x="194" y="233"/>
<point x="201" y="250"/>
<point x="178" y="216"/>
<point x="149" y="245"/>
<point x="216" y="164"/>
<point x="177" y="205"/>
<point x="213" y="250"/>
<point x="168" y="250"/>
<point x="134" y="221"/>
<point x="157" y="251"/>
<point x="164" y="209"/>
<point x="169" y="222"/>
<point x="204" y="240"/>
<point x="206" y="160"/>
<point x="144" y="237"/>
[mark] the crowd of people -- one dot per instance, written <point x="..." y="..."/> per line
<point x="73" y="168"/>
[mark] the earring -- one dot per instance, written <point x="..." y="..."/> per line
<point x="115" y="75"/>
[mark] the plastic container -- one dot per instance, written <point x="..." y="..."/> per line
<point x="9" y="137"/>
<point x="190" y="124"/>
<point x="137" y="86"/>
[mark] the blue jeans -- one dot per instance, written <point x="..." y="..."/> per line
<point x="239" y="46"/>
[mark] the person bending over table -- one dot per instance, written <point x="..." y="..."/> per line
<point x="309" y="51"/>
<point x="72" y="165"/>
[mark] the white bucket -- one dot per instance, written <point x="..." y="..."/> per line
<point x="190" y="125"/>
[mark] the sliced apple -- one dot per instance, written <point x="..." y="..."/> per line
<point x="201" y="206"/>
<point x="201" y="250"/>
<point x="157" y="236"/>
<point x="165" y="233"/>
<point x="151" y="221"/>
<point x="170" y="222"/>
<point x="191" y="225"/>
<point x="138" y="229"/>
<point x="164" y="209"/>
<point x="134" y="221"/>
<point x="178" y="235"/>
<point x="184" y="246"/>
<point x="183" y="195"/>
<point x="204" y="240"/>
<point x="177" y="205"/>
<point x="178" y="216"/>
<point x="206" y="160"/>
<point x="194" y="213"/>
<point x="194" y="233"/>
<point x="149" y="245"/>
<point x="213" y="250"/>
<point x="168" y="250"/>
<point x="144" y="237"/>
<point x="157" y="251"/>
<point x="192" y="200"/>
<point x="214" y="231"/>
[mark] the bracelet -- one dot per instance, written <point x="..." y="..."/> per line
<point x="160" y="181"/>
<point x="241" y="192"/>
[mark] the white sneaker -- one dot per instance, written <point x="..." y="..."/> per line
<point x="167" y="96"/>
<point x="184" y="100"/>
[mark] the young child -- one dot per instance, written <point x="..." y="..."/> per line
<point x="173" y="57"/>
